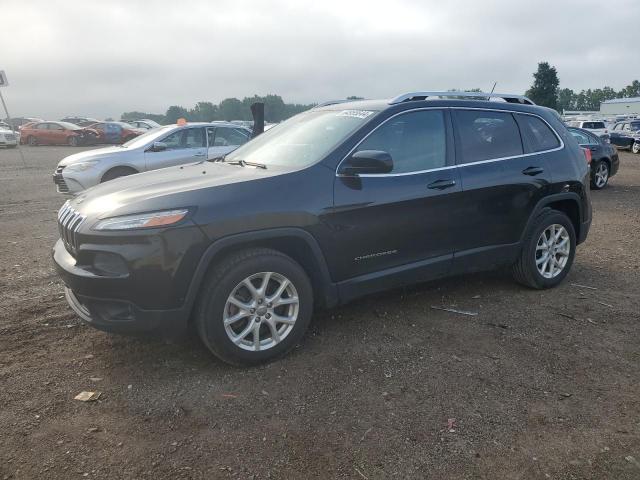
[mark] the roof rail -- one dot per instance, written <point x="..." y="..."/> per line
<point x="331" y="102"/>
<point x="507" y="97"/>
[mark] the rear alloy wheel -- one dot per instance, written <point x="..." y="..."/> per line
<point x="635" y="148"/>
<point x="32" y="141"/>
<point x="547" y="251"/>
<point x="600" y="175"/>
<point x="254" y="307"/>
<point x="73" y="141"/>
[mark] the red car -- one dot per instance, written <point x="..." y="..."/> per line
<point x="114" y="132"/>
<point x="55" y="133"/>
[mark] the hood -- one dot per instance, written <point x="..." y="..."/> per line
<point x="161" y="189"/>
<point x="91" y="155"/>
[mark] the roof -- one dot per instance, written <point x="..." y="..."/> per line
<point x="623" y="100"/>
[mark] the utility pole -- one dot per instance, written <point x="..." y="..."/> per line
<point x="4" y="83"/>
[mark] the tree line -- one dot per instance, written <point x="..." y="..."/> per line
<point x="275" y="110"/>
<point x="546" y="91"/>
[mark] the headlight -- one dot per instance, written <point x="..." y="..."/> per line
<point x="142" y="220"/>
<point x="82" y="166"/>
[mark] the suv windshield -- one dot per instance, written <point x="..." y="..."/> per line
<point x="302" y="140"/>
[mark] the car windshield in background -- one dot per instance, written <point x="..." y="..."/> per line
<point x="145" y="138"/>
<point x="302" y="140"/>
<point x="594" y="125"/>
<point x="635" y="125"/>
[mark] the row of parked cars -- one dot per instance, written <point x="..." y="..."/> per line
<point x="623" y="134"/>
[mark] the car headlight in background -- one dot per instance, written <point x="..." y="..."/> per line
<point x="143" y="220"/>
<point x="81" y="166"/>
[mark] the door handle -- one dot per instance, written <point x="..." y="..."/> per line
<point x="442" y="184"/>
<point x="532" y="171"/>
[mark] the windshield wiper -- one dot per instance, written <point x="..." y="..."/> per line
<point x="244" y="163"/>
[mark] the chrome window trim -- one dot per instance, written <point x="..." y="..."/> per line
<point x="458" y="165"/>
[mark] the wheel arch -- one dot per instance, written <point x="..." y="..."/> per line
<point x="296" y="243"/>
<point x="115" y="167"/>
<point x="567" y="203"/>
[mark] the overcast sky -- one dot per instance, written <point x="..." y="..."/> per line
<point x="101" y="58"/>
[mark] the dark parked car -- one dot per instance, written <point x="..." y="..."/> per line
<point x="626" y="135"/>
<point x="80" y="121"/>
<point x="337" y="202"/>
<point x="604" y="158"/>
<point x="114" y="132"/>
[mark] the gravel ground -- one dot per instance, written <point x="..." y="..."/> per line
<point x="537" y="385"/>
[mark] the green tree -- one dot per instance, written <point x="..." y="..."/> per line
<point x="566" y="99"/>
<point x="203" y="112"/>
<point x="231" y="109"/>
<point x="632" y="90"/>
<point x="174" y="113"/>
<point x="544" y="90"/>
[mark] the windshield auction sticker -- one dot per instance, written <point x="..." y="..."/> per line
<point x="355" y="113"/>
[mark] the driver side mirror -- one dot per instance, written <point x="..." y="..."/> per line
<point x="158" y="147"/>
<point x="367" y="162"/>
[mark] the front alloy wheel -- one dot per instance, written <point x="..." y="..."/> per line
<point x="552" y="251"/>
<point x="635" y="148"/>
<point x="601" y="175"/>
<point x="254" y="306"/>
<point x="261" y="311"/>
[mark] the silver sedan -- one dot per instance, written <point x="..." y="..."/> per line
<point x="158" y="148"/>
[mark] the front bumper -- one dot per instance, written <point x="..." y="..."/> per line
<point x="66" y="184"/>
<point x="150" y="289"/>
<point x="8" y="142"/>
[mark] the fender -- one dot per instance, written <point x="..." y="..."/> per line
<point x="551" y="199"/>
<point x="328" y="293"/>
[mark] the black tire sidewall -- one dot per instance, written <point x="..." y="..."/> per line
<point x="553" y="217"/>
<point x="211" y="327"/>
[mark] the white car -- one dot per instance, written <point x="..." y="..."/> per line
<point x="144" y="124"/>
<point x="8" y="138"/>
<point x="597" y="127"/>
<point x="158" y="148"/>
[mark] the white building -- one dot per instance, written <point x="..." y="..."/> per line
<point x="621" y="106"/>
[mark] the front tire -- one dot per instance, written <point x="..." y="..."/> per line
<point x="600" y="177"/>
<point x="635" y="148"/>
<point x="254" y="307"/>
<point x="547" y="251"/>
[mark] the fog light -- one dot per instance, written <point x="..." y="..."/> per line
<point x="110" y="264"/>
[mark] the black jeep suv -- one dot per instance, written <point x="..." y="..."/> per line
<point x="340" y="201"/>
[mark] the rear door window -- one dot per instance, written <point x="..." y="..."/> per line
<point x="537" y="133"/>
<point x="487" y="135"/>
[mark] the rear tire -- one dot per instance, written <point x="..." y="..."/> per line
<point x="530" y="269"/>
<point x="277" y="320"/>
<point x="117" y="172"/>
<point x="600" y="175"/>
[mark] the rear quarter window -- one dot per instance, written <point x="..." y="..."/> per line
<point x="537" y="133"/>
<point x="487" y="135"/>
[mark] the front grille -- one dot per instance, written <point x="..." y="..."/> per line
<point x="58" y="179"/>
<point x="9" y="137"/>
<point x="69" y="221"/>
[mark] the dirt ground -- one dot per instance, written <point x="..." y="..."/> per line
<point x="537" y="385"/>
